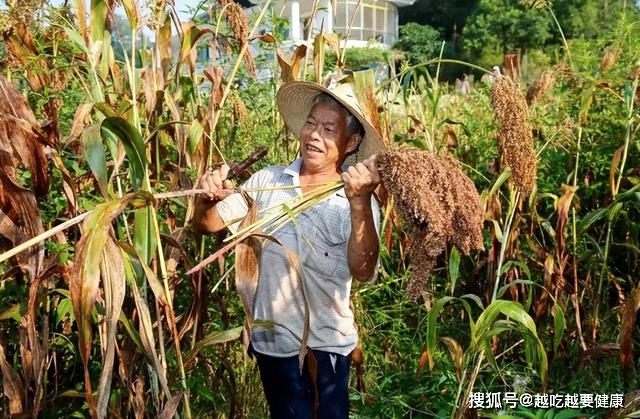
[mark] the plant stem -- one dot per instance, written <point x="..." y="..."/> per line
<point x="564" y="40"/>
<point x="630" y="97"/>
<point x="627" y="133"/>
<point x="574" y="295"/>
<point x="236" y="66"/>
<point x="513" y="203"/>
<point x="171" y="318"/>
<point x="43" y="236"/>
<point x="460" y="405"/>
<point x="162" y="195"/>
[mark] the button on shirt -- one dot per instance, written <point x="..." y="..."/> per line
<point x="319" y="237"/>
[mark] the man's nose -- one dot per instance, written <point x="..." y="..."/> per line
<point x="315" y="133"/>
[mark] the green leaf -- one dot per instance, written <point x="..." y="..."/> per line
<point x="586" y="100"/>
<point x="614" y="211"/>
<point x="64" y="308"/>
<point x="99" y="13"/>
<point x="12" y="312"/>
<point x="76" y="38"/>
<point x="96" y="157"/>
<point x="432" y="319"/>
<point x="569" y="414"/>
<point x="195" y="134"/>
<point x="453" y="267"/>
<point x="501" y="179"/>
<point x="488" y="326"/>
<point x="143" y="238"/>
<point x="498" y="230"/>
<point x="475" y="299"/>
<point x="141" y="269"/>
<point x="131" y="331"/>
<point x="131" y="139"/>
<point x="559" y="324"/>
<point x="214" y="338"/>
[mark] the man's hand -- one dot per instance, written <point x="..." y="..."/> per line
<point x="215" y="184"/>
<point x="361" y="180"/>
<point x="216" y="187"/>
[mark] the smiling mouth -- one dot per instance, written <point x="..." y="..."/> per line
<point x="313" y="149"/>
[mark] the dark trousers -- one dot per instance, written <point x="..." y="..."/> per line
<point x="291" y="395"/>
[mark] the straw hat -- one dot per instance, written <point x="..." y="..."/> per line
<point x="295" y="100"/>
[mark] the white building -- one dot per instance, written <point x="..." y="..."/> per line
<point x="374" y="20"/>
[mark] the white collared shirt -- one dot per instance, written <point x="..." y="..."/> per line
<point x="318" y="236"/>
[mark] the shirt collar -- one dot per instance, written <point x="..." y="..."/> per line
<point x="293" y="170"/>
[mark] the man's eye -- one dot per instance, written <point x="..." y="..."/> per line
<point x="309" y="123"/>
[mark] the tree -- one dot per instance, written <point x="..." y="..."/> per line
<point x="419" y="43"/>
<point x="590" y="19"/>
<point x="448" y="17"/>
<point x="503" y="26"/>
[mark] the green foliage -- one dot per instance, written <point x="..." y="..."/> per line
<point x="504" y="26"/>
<point x="448" y="17"/>
<point x="568" y="266"/>
<point x="419" y="43"/>
<point x="359" y="58"/>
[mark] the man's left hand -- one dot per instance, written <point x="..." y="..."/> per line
<point x="361" y="180"/>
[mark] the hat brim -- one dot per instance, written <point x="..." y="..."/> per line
<point x="295" y="100"/>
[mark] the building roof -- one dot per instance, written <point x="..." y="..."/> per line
<point x="403" y="3"/>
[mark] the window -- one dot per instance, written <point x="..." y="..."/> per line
<point x="375" y="20"/>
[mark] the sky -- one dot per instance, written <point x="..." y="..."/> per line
<point x="182" y="6"/>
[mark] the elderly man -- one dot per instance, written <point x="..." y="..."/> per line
<point x="336" y="240"/>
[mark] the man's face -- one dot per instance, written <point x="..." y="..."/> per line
<point x="324" y="142"/>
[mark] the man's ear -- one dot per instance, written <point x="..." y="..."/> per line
<point x="354" y="142"/>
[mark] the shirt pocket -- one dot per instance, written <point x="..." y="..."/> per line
<point x="324" y="252"/>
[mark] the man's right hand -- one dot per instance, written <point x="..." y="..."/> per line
<point x="215" y="184"/>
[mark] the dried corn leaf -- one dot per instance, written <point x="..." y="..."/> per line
<point x="629" y="312"/>
<point x="20" y="221"/>
<point x="247" y="260"/>
<point x="291" y="70"/>
<point x="112" y="274"/>
<point x="11" y="386"/>
<point x="86" y="274"/>
<point x="20" y="138"/>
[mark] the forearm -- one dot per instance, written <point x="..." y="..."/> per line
<point x="206" y="218"/>
<point x="363" y="246"/>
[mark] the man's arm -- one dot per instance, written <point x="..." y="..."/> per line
<point x="363" y="245"/>
<point x="206" y="218"/>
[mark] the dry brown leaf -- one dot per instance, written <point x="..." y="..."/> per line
<point x="291" y="70"/>
<point x="564" y="205"/>
<point x="11" y="386"/>
<point x="615" y="163"/>
<point x="113" y="280"/>
<point x="629" y="312"/>
<point x="247" y="260"/>
<point x="19" y="136"/>
<point x="20" y="206"/>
